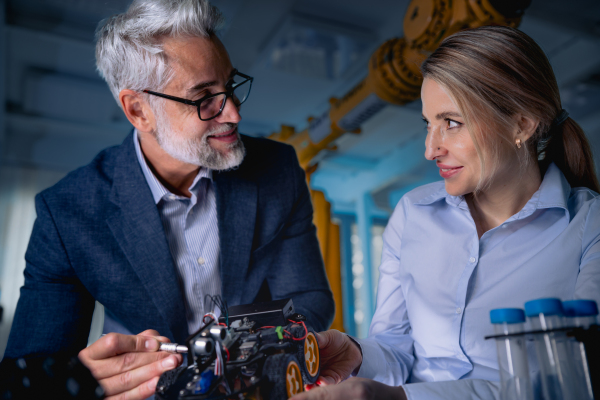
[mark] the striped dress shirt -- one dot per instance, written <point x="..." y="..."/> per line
<point x="192" y="232"/>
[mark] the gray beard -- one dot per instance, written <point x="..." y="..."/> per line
<point x="197" y="151"/>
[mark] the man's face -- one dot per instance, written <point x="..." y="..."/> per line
<point x="200" y="67"/>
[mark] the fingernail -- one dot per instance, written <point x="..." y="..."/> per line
<point x="168" y="363"/>
<point x="152" y="383"/>
<point x="150" y="344"/>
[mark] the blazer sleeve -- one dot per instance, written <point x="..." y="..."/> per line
<point x="54" y="311"/>
<point x="304" y="278"/>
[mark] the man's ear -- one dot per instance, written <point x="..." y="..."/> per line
<point x="137" y="110"/>
<point x="527" y="127"/>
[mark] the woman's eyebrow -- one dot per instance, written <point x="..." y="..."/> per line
<point x="447" y="114"/>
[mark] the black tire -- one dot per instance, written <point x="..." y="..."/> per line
<point x="277" y="369"/>
<point x="309" y="357"/>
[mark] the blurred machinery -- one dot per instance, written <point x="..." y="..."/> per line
<point x="393" y="77"/>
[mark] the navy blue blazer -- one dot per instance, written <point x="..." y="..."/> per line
<point x="98" y="236"/>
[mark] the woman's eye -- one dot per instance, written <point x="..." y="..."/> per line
<point x="453" y="124"/>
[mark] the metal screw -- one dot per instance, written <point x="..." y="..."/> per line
<point x="182" y="392"/>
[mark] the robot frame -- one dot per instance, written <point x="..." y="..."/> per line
<point x="254" y="351"/>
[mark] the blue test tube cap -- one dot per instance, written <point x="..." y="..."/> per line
<point x="550" y="306"/>
<point x="507" y="315"/>
<point x="580" y="308"/>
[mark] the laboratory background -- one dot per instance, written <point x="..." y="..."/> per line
<point x="356" y="127"/>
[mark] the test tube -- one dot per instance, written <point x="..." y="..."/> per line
<point x="581" y="314"/>
<point x="515" y="383"/>
<point x="556" y="367"/>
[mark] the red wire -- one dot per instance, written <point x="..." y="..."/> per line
<point x="305" y="330"/>
<point x="226" y="351"/>
<point x="222" y="324"/>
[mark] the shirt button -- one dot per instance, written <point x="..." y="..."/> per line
<point x="472" y="259"/>
<point x="200" y="260"/>
<point x="458" y="310"/>
<point x="504" y="225"/>
<point x="172" y="197"/>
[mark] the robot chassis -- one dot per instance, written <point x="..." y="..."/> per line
<point x="263" y="351"/>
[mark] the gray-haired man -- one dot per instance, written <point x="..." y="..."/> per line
<point x="184" y="208"/>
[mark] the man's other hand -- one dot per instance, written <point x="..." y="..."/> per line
<point x="354" y="388"/>
<point x="128" y="366"/>
<point x="339" y="356"/>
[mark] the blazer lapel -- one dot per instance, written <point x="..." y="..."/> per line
<point x="236" y="209"/>
<point x="138" y="229"/>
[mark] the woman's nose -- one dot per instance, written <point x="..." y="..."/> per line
<point x="433" y="145"/>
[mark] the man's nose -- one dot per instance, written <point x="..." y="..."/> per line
<point x="231" y="112"/>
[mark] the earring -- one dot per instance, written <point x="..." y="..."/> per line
<point x="518" y="143"/>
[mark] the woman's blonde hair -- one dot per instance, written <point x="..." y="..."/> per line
<point x="494" y="73"/>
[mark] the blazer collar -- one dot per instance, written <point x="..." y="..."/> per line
<point x="138" y="229"/>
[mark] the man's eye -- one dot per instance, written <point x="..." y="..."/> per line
<point x="202" y="95"/>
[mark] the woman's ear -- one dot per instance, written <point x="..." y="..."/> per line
<point x="526" y="127"/>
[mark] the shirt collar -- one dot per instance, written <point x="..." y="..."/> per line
<point x="157" y="188"/>
<point x="554" y="192"/>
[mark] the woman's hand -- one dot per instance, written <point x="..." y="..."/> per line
<point x="354" y="388"/>
<point x="339" y="356"/>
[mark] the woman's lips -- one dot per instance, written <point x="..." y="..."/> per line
<point x="448" y="172"/>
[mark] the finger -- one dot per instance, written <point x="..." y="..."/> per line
<point x="155" y="335"/>
<point x="115" y="343"/>
<point x="143" y="391"/>
<point x="132" y="379"/>
<point x="327" y="338"/>
<point x="313" y="394"/>
<point x="149" y="332"/>
<point x="326" y="380"/>
<point x="102" y="369"/>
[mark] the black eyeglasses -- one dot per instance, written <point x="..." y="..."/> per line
<point x="211" y="106"/>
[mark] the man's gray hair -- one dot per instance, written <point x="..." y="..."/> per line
<point x="129" y="46"/>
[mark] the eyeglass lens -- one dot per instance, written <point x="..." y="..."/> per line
<point x="212" y="106"/>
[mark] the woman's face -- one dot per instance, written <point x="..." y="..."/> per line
<point x="448" y="141"/>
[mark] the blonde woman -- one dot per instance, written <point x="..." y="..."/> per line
<point x="516" y="218"/>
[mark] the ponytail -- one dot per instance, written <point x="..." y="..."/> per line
<point x="570" y="150"/>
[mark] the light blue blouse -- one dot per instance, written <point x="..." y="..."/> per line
<point x="438" y="282"/>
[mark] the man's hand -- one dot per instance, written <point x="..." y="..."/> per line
<point x="339" y="356"/>
<point x="128" y="366"/>
<point x="354" y="388"/>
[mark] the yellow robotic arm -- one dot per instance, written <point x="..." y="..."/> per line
<point x="394" y="76"/>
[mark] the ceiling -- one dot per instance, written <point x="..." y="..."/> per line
<point x="59" y="113"/>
